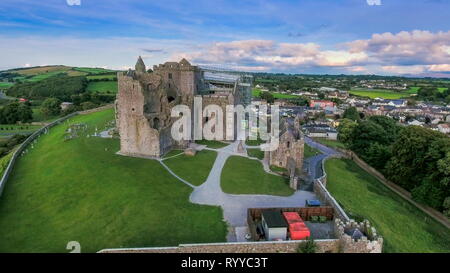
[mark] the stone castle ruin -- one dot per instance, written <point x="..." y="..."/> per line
<point x="145" y="99"/>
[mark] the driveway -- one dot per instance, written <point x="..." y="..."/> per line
<point x="235" y="205"/>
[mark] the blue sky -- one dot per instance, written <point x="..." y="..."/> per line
<point x="305" y="36"/>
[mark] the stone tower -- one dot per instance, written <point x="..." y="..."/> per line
<point x="143" y="105"/>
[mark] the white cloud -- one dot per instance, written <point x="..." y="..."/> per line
<point x="270" y="54"/>
<point x="73" y="2"/>
<point x="439" y="68"/>
<point x="406" y="48"/>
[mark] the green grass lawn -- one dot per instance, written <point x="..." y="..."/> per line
<point x="256" y="92"/>
<point x="330" y="143"/>
<point x="413" y="90"/>
<point x="102" y="77"/>
<point x="255" y="153"/>
<point x="403" y="227"/>
<point x="245" y="176"/>
<point x="80" y="190"/>
<point x="6" y="84"/>
<point x="254" y="142"/>
<point x="193" y="169"/>
<point x="309" y="151"/>
<point x="277" y="169"/>
<point x="4" y="161"/>
<point x="173" y="153"/>
<point x="214" y="144"/>
<point x="385" y="94"/>
<point x="106" y="87"/>
<point x="92" y="70"/>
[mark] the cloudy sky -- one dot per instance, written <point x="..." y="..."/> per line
<point x="304" y="36"/>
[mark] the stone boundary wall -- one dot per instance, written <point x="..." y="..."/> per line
<point x="436" y="215"/>
<point x="35" y="135"/>
<point x="323" y="194"/>
<point x="324" y="246"/>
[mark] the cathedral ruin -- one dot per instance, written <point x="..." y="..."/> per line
<point x="145" y="99"/>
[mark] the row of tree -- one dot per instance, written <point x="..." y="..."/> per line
<point x="416" y="158"/>
<point x="62" y="88"/>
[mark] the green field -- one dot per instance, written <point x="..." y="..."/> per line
<point x="6" y="84"/>
<point x="257" y="153"/>
<point x="92" y="70"/>
<point x="80" y="190"/>
<point x="256" y="92"/>
<point x="214" y="144"/>
<point x="254" y="142"/>
<point x="385" y="94"/>
<point x="193" y="169"/>
<point x="403" y="227"/>
<point x="330" y="143"/>
<point x="106" y="87"/>
<point x="245" y="176"/>
<point x="309" y="151"/>
<point x="413" y="90"/>
<point x="4" y="161"/>
<point x="102" y="77"/>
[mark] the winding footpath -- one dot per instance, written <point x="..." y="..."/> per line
<point x="235" y="205"/>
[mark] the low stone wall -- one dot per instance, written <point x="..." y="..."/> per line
<point x="371" y="242"/>
<point x="325" y="196"/>
<point x="22" y="147"/>
<point x="324" y="246"/>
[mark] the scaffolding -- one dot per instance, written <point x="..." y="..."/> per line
<point x="222" y="81"/>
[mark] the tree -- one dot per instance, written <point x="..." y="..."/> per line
<point x="15" y="112"/>
<point x="88" y="105"/>
<point x="345" y="130"/>
<point x="420" y="163"/>
<point x="267" y="96"/>
<point x="51" y="107"/>
<point x="307" y="247"/>
<point x="389" y="125"/>
<point x="25" y="114"/>
<point x="351" y="113"/>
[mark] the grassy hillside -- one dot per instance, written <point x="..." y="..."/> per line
<point x="403" y="227"/>
<point x="106" y="87"/>
<point x="80" y="190"/>
<point x="36" y="74"/>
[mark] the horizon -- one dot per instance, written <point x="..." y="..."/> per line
<point x="346" y="38"/>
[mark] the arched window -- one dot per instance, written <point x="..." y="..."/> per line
<point x="156" y="123"/>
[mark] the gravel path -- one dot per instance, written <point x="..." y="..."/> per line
<point x="235" y="205"/>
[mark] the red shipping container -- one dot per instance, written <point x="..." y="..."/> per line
<point x="299" y="231"/>
<point x="292" y="217"/>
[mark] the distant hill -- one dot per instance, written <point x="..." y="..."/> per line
<point x="35" y="74"/>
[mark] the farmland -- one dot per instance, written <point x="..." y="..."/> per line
<point x="107" y="87"/>
<point x="379" y="93"/>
